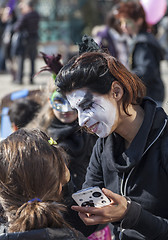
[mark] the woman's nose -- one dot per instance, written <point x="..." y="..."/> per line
<point x="82" y="119"/>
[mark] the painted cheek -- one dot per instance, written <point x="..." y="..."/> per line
<point x="66" y="107"/>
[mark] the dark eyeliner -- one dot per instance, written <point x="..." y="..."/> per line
<point x="87" y="105"/>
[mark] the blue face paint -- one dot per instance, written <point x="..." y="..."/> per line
<point x="59" y="103"/>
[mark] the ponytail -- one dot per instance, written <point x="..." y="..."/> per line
<point x="37" y="215"/>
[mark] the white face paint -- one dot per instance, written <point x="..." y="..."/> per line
<point x="95" y="111"/>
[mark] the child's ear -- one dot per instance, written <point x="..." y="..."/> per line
<point x="117" y="91"/>
<point x="14" y="127"/>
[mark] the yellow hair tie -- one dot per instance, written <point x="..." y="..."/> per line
<point x="52" y="141"/>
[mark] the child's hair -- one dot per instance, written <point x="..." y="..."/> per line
<point x="45" y="115"/>
<point x="22" y="111"/>
<point x="31" y="170"/>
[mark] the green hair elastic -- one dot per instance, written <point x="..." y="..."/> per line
<point x="52" y="141"/>
<point x="54" y="76"/>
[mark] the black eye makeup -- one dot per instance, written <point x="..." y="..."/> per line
<point x="87" y="105"/>
<point x="87" y="101"/>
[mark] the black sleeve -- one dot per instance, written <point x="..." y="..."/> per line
<point x="93" y="178"/>
<point x="74" y="220"/>
<point x="147" y="224"/>
<point x="19" y="25"/>
<point x="144" y="63"/>
<point x="94" y="170"/>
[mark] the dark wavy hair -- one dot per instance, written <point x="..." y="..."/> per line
<point x="96" y="71"/>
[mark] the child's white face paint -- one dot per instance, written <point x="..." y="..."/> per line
<point x="95" y="111"/>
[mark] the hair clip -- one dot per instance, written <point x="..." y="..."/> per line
<point x="35" y="199"/>
<point x="52" y="141"/>
<point x="54" y="76"/>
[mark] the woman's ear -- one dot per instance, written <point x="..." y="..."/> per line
<point x="116" y="91"/>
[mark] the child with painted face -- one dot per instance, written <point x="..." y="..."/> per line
<point x="129" y="159"/>
<point x="62" y="109"/>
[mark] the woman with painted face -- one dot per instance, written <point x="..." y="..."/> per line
<point x="129" y="160"/>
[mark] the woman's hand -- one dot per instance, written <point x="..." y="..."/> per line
<point x="113" y="212"/>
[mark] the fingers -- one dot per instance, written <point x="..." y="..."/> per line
<point x="92" y="219"/>
<point x="115" y="198"/>
<point x="80" y="209"/>
<point x="88" y="215"/>
<point x="118" y="200"/>
<point x="89" y="210"/>
<point x="111" y="213"/>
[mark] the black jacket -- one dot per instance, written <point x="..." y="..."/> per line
<point x="28" y="22"/>
<point x="140" y="172"/>
<point x="145" y="63"/>
<point x="78" y="144"/>
<point x="25" y="37"/>
<point x="107" y="42"/>
<point x="44" y="234"/>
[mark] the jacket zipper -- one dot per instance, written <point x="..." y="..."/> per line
<point x="123" y="187"/>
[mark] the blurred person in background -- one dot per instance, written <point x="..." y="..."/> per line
<point x="22" y="111"/>
<point x="8" y="18"/>
<point x="163" y="34"/>
<point x="2" y="58"/>
<point x="112" y="38"/>
<point x="145" y="51"/>
<point x="25" y="41"/>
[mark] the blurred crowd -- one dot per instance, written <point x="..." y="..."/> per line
<point x="19" y="25"/>
<point x="126" y="31"/>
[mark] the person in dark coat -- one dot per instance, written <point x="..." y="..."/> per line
<point x="33" y="170"/>
<point x="113" y="39"/>
<point x="9" y="19"/>
<point x="27" y="28"/>
<point x="129" y="160"/>
<point x="145" y="51"/>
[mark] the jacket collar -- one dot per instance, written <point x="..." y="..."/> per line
<point x="155" y="120"/>
<point x="42" y="234"/>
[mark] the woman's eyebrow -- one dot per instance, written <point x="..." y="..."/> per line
<point x="88" y="98"/>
